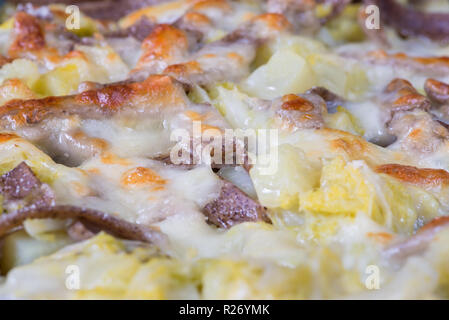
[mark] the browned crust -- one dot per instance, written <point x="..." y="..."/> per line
<point x="4" y="60"/>
<point x="165" y="42"/>
<point x="382" y="54"/>
<point x="294" y="102"/>
<point x="31" y="111"/>
<point x="437" y="91"/>
<point x="297" y="112"/>
<point x="222" y="5"/>
<point x="352" y="146"/>
<point x="29" y="35"/>
<point x="273" y="21"/>
<point x="436" y="64"/>
<point x="157" y="91"/>
<point x="5" y="137"/>
<point x="108" y="98"/>
<point x="405" y="96"/>
<point x="417" y="176"/>
<point x="183" y="70"/>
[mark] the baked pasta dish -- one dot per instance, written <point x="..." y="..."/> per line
<point x="221" y="149"/>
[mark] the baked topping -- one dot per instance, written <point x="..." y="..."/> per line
<point x="277" y="149"/>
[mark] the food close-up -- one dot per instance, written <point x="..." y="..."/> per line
<point x="224" y="149"/>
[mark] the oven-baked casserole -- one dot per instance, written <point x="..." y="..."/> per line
<point x="113" y="185"/>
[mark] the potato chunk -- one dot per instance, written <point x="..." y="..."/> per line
<point x="19" y="249"/>
<point x="286" y="72"/>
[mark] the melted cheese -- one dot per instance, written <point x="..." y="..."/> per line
<point x="336" y="201"/>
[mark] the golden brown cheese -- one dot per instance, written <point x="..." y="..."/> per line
<point x="157" y="91"/>
<point x="168" y="50"/>
<point x="165" y="44"/>
<point x="402" y="56"/>
<point x="428" y="178"/>
<point x="405" y="97"/>
<point x="29" y="36"/>
<point x="141" y="175"/>
<point x="437" y="91"/>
